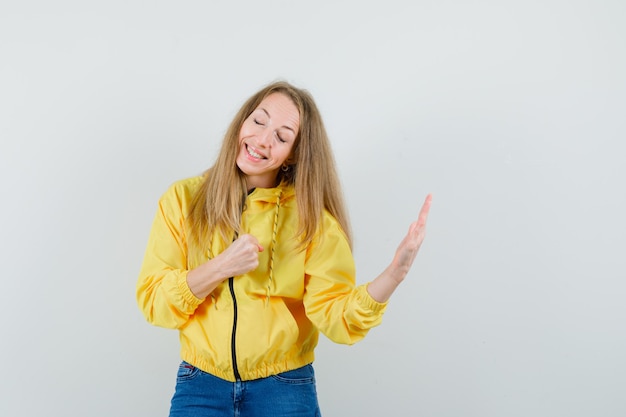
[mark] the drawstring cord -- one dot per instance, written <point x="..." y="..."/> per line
<point x="272" y="252"/>
<point x="273" y="249"/>
<point x="210" y="252"/>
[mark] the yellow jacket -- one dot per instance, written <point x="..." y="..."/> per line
<point x="271" y="324"/>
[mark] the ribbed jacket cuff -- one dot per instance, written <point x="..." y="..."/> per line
<point x="191" y="300"/>
<point x="366" y="301"/>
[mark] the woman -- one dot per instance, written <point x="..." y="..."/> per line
<point x="252" y="259"/>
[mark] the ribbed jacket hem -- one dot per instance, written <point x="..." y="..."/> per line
<point x="261" y="371"/>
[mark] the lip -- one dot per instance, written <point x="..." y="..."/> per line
<point x="250" y="149"/>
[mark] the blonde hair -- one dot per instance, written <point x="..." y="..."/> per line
<point x="218" y="204"/>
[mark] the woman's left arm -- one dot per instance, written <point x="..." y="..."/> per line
<point x="339" y="309"/>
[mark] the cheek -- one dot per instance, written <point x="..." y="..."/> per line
<point x="244" y="131"/>
<point x="242" y="134"/>
<point x="286" y="154"/>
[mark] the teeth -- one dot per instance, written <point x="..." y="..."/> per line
<point x="251" y="152"/>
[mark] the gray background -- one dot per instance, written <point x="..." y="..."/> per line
<point x="510" y="113"/>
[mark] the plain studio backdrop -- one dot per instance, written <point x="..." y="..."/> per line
<point x="512" y="113"/>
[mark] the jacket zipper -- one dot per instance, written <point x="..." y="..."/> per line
<point x="231" y="286"/>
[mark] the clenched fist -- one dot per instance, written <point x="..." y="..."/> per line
<point x="241" y="256"/>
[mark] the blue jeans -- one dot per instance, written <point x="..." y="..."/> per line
<point x="290" y="393"/>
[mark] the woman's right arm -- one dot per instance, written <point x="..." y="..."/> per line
<point x="163" y="295"/>
<point x="167" y="293"/>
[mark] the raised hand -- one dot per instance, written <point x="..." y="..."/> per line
<point x="385" y="284"/>
<point x="410" y="245"/>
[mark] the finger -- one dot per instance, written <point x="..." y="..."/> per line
<point x="425" y="209"/>
<point x="423" y="215"/>
<point x="252" y="240"/>
<point x="249" y="238"/>
<point x="256" y="243"/>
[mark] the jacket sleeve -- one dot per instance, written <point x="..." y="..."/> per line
<point x="339" y="309"/>
<point x="162" y="291"/>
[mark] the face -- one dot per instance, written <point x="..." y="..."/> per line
<point x="266" y="139"/>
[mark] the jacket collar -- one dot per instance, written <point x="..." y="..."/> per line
<point x="272" y="195"/>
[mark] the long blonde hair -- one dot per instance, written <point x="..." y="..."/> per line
<point x="218" y="204"/>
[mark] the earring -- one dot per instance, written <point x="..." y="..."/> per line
<point x="285" y="167"/>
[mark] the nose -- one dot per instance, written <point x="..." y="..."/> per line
<point x="264" y="138"/>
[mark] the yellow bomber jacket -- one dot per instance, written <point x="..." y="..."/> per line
<point x="260" y="323"/>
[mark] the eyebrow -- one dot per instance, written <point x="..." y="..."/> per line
<point x="268" y="115"/>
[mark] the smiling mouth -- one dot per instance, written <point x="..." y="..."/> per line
<point x="253" y="154"/>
